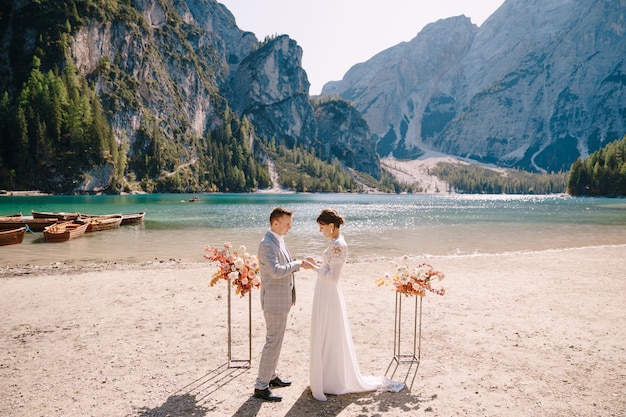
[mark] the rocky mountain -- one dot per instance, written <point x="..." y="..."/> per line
<point x="170" y="95"/>
<point x="272" y="90"/>
<point x="539" y="84"/>
<point x="193" y="62"/>
<point x="344" y="135"/>
<point x="179" y="84"/>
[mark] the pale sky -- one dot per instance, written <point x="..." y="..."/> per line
<point x="337" y="34"/>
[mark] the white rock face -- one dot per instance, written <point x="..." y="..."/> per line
<point x="171" y="77"/>
<point x="539" y="84"/>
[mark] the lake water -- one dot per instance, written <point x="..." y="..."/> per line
<point x="377" y="225"/>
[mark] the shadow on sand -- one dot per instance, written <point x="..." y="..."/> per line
<point x="404" y="403"/>
<point x="187" y="402"/>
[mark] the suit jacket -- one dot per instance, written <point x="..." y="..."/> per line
<point x="277" y="279"/>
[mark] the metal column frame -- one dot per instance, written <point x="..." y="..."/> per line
<point x="410" y="358"/>
<point x="241" y="363"/>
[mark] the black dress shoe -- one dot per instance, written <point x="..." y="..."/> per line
<point x="277" y="382"/>
<point x="267" y="395"/>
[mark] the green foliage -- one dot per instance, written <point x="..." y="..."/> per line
<point x="53" y="132"/>
<point x="603" y="173"/>
<point x="300" y="170"/>
<point x="222" y="160"/>
<point x="51" y="24"/>
<point x="53" y="127"/>
<point x="473" y="179"/>
<point x="121" y="89"/>
<point x="228" y="162"/>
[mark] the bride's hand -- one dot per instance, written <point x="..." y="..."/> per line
<point x="310" y="262"/>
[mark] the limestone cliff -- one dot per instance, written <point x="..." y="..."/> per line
<point x="272" y="90"/>
<point x="343" y="134"/>
<point x="170" y="74"/>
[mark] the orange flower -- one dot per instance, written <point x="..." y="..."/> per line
<point x="236" y="266"/>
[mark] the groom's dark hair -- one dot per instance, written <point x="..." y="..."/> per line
<point x="279" y="212"/>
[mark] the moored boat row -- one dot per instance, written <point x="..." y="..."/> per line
<point x="61" y="215"/>
<point x="131" y="218"/>
<point x="61" y="226"/>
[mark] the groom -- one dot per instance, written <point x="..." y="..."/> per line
<point x="278" y="294"/>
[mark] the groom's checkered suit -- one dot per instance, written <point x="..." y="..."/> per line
<point x="278" y="286"/>
<point x="277" y="296"/>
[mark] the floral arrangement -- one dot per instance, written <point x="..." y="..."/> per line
<point x="236" y="266"/>
<point x="413" y="281"/>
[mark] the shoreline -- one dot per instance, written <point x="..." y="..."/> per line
<point x="27" y="193"/>
<point x="414" y="172"/>
<point x="66" y="268"/>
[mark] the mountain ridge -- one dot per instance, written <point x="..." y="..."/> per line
<point x="193" y="103"/>
<point x="534" y="95"/>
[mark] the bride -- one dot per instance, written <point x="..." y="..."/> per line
<point x="334" y="368"/>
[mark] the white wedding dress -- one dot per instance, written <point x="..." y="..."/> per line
<point x="334" y="368"/>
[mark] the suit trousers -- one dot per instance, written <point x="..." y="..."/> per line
<point x="276" y="324"/>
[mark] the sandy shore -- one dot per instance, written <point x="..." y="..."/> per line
<point x="521" y="334"/>
<point x="29" y="193"/>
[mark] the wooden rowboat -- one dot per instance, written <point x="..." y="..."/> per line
<point x="61" y="215"/>
<point x="133" y="218"/>
<point x="36" y="225"/>
<point x="12" y="215"/>
<point x="12" y="237"/>
<point x="99" y="223"/>
<point x="62" y="232"/>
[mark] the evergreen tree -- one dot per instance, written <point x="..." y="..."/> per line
<point x="473" y="179"/>
<point x="603" y="173"/>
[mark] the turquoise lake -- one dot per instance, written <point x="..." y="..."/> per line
<point x="377" y="225"/>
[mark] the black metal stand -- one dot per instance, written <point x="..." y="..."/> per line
<point x="404" y="357"/>
<point x="241" y="363"/>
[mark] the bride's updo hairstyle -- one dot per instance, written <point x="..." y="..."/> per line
<point x="330" y="216"/>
